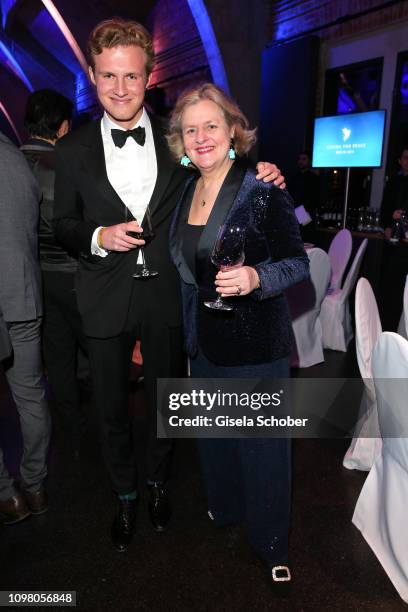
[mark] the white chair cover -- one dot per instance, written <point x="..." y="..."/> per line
<point x="335" y="312"/>
<point x="403" y="324"/>
<point x="339" y="254"/>
<point x="367" y="442"/>
<point x="381" y="509"/>
<point x="305" y="312"/>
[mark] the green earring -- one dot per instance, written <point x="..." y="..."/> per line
<point x="231" y="152"/>
<point x="185" y="161"/>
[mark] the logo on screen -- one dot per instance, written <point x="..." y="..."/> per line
<point x="346" y="134"/>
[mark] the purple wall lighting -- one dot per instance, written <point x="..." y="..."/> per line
<point x="48" y="34"/>
<point x="5" y="8"/>
<point x="403" y="88"/>
<point x="7" y="59"/>
<point x="209" y="41"/>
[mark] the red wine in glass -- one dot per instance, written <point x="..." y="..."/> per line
<point x="228" y="252"/>
<point x="147" y="235"/>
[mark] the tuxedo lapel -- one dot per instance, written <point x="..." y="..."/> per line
<point x="165" y="163"/>
<point x="176" y="233"/>
<point x="95" y="168"/>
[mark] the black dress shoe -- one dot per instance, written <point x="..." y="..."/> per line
<point x="37" y="502"/>
<point x="123" y="524"/>
<point x="159" y="507"/>
<point x="14" y="509"/>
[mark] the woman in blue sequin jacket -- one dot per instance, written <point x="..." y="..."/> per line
<point x="246" y="479"/>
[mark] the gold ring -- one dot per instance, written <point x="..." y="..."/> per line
<point x="238" y="290"/>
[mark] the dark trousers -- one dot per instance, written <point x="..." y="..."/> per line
<point x="249" y="479"/>
<point x="110" y="360"/>
<point x="62" y="335"/>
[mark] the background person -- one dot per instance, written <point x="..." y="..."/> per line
<point x="395" y="199"/>
<point x="304" y="185"/>
<point x="246" y="479"/>
<point x="21" y="305"/>
<point x="5" y="343"/>
<point x="47" y="119"/>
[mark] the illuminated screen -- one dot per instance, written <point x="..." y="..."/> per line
<point x="349" y="141"/>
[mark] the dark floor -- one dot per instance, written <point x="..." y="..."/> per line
<point x="192" y="566"/>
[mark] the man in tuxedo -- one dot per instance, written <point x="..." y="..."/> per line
<point x="108" y="173"/>
<point x="21" y="308"/>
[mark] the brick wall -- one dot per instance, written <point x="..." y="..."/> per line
<point x="181" y="60"/>
<point x="334" y="19"/>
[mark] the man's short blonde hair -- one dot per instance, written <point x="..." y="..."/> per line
<point x="119" y="32"/>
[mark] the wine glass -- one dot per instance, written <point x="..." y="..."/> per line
<point x="147" y="235"/>
<point x="377" y="221"/>
<point x="227" y="253"/>
<point x="369" y="220"/>
<point x="360" y="221"/>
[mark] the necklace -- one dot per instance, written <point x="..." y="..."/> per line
<point x="203" y="201"/>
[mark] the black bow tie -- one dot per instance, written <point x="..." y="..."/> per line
<point x="119" y="137"/>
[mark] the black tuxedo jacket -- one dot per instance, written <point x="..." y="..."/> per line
<point x="85" y="200"/>
<point x="259" y="329"/>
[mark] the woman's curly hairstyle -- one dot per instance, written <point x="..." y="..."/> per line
<point x="244" y="138"/>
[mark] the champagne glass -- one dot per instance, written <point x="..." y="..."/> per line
<point x="228" y="252"/>
<point x="147" y="235"/>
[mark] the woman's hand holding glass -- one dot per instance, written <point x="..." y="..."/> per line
<point x="239" y="280"/>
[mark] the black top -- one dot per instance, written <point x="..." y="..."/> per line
<point x="191" y="235"/>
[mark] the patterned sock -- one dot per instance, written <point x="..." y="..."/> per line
<point x="128" y="496"/>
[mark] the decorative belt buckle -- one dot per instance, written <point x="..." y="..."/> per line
<point x="281" y="573"/>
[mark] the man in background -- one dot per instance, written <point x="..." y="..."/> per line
<point x="304" y="185"/>
<point x="395" y="199"/>
<point x="21" y="305"/>
<point x="47" y="119"/>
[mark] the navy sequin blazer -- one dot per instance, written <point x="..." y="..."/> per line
<point x="259" y="329"/>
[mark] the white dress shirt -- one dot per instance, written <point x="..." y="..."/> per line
<point x="131" y="170"/>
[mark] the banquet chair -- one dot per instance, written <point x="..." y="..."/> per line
<point x="367" y="442"/>
<point x="302" y="215"/>
<point x="339" y="254"/>
<point x="308" y="349"/>
<point x="335" y="312"/>
<point x="403" y="324"/>
<point x="381" y="510"/>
